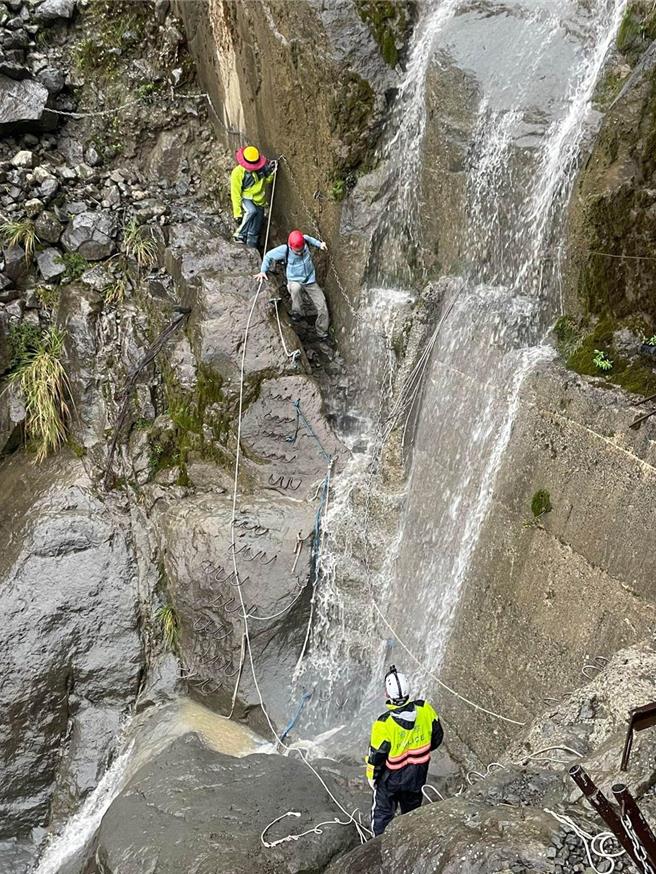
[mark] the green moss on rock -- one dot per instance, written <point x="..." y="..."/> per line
<point x="201" y="418"/>
<point x="541" y="503"/>
<point x="390" y="24"/>
<point x="637" y="29"/>
<point x="632" y="376"/>
<point x="353" y="113"/>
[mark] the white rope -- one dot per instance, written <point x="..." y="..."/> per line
<point x="361" y="830"/>
<point x="538" y="753"/>
<point x="424" y="792"/>
<point x="279" y="613"/>
<point x="97" y="113"/>
<point x="315" y="830"/>
<point x="238" y="680"/>
<point x="594" y="844"/>
<point x="497" y="766"/>
<point x="296" y="353"/>
<point x="439" y="682"/>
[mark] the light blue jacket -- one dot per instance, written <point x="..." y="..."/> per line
<point x="299" y="267"/>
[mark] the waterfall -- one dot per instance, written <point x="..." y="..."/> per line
<point x="83" y="825"/>
<point x="144" y="737"/>
<point x="533" y="67"/>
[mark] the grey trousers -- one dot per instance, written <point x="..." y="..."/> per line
<point x="317" y="299"/>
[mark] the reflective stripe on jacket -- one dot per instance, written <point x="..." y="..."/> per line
<point x="402" y="740"/>
<point x="249" y="184"/>
<point x="300" y="268"/>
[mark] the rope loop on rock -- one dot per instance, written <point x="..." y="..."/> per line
<point x="594" y="844"/>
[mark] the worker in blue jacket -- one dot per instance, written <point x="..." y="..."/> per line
<point x="300" y="277"/>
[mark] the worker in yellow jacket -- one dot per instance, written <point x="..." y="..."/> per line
<point x="248" y="184"/>
<point x="399" y="753"/>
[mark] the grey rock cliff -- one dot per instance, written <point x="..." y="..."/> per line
<point x="69" y="644"/>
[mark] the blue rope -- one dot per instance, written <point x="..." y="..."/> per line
<point x="292" y="722"/>
<point x="300" y="416"/>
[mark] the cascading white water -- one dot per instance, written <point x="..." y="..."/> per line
<point x="535" y="65"/>
<point x="145" y="736"/>
<point x="82" y="826"/>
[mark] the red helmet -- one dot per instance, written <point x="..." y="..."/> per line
<point x="296" y="240"/>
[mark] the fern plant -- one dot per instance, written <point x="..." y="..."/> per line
<point x="44" y="385"/>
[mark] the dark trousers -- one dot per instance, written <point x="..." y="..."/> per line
<point x="386" y="800"/>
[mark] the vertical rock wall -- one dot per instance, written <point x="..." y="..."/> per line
<point x="306" y="82"/>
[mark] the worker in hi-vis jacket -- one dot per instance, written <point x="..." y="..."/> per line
<point x="399" y="753"/>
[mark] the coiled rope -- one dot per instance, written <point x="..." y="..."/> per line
<point x="594" y="844"/>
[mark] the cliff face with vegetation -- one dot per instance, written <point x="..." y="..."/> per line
<point x="117" y="573"/>
<point x="118" y="458"/>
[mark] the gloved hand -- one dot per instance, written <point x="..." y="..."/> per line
<point x="324" y="247"/>
<point x="273" y="165"/>
<point x="370" y="781"/>
<point x="237" y="220"/>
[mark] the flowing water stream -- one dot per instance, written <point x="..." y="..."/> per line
<point x="143" y="738"/>
<point x="529" y="69"/>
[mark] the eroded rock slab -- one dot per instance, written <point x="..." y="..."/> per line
<point x="192" y="809"/>
<point x="69" y="642"/>
<point x="215" y="277"/>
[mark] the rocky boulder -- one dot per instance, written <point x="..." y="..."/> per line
<point x="193" y="809"/>
<point x="22" y="103"/>
<point x="457" y="837"/>
<point x="69" y="645"/>
<point x="50" y="263"/>
<point x="215" y="278"/>
<point x="48" y="227"/>
<point x="91" y="234"/>
<point x="12" y="408"/>
<point x="50" y="10"/>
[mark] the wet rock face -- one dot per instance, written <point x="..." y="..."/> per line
<point x="69" y="644"/>
<point x="192" y="809"/>
<point x="456" y="838"/>
<point x="614" y="209"/>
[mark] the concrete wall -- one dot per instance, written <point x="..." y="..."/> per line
<point x="545" y="598"/>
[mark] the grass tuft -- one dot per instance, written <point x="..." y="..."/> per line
<point x="114" y="294"/>
<point x="75" y="265"/>
<point x="19" y="233"/>
<point x="47" y="295"/>
<point x="169" y="623"/>
<point x="138" y="243"/>
<point x="44" y="384"/>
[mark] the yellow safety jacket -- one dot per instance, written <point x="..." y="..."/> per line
<point x="401" y="743"/>
<point x="249" y="184"/>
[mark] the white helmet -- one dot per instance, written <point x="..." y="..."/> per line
<point x="396" y="685"/>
